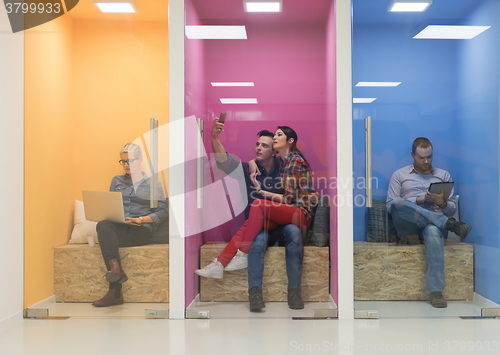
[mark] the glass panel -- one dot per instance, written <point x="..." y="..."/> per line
<point x="446" y="89"/>
<point x="285" y="68"/>
<point x="93" y="80"/>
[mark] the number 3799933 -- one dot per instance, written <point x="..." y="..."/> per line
<point x="33" y="8"/>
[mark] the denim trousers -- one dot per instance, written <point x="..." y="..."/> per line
<point x="411" y="219"/>
<point x="288" y="236"/>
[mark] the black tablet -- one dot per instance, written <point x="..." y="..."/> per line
<point x="436" y="187"/>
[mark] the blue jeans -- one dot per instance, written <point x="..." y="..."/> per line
<point x="411" y="219"/>
<point x="289" y="236"/>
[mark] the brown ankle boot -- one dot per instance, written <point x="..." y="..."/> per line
<point x="115" y="274"/>
<point x="110" y="299"/>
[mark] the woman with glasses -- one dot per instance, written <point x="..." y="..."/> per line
<point x="141" y="221"/>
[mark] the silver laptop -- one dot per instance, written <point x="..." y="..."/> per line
<point x="103" y="205"/>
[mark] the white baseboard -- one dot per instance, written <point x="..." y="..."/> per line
<point x="6" y="322"/>
<point x="46" y="303"/>
<point x="484" y="301"/>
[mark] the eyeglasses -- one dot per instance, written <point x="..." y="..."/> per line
<point x="129" y="162"/>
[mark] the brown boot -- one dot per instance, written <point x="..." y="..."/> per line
<point x="110" y="299"/>
<point x="115" y="274"/>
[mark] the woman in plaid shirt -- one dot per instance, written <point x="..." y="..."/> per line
<point x="294" y="205"/>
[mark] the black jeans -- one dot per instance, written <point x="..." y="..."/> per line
<point x="113" y="235"/>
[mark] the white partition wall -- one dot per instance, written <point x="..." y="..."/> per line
<point x="11" y="172"/>
<point x="344" y="160"/>
<point x="176" y="145"/>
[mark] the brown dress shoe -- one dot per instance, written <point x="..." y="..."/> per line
<point x="116" y="273"/>
<point x="110" y="299"/>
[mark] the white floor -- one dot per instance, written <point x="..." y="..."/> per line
<point x="250" y="336"/>
<point x="272" y="310"/>
<point x="415" y="309"/>
<point x="412" y="327"/>
<point x="239" y="310"/>
<point x="86" y="310"/>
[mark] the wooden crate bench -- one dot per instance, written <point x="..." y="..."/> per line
<point x="397" y="272"/>
<point x="79" y="273"/>
<point x="234" y="285"/>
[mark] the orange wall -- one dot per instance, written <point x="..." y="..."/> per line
<point x="120" y="82"/>
<point x="48" y="152"/>
<point x="91" y="86"/>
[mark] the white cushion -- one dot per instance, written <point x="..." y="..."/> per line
<point x="82" y="228"/>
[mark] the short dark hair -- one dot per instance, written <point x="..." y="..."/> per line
<point x="421" y="142"/>
<point x="266" y="133"/>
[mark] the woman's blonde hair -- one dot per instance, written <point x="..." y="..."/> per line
<point x="132" y="149"/>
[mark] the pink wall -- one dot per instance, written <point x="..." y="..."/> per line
<point x="287" y="64"/>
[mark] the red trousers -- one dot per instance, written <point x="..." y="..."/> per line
<point x="263" y="214"/>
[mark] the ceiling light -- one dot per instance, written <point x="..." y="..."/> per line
<point x="363" y="100"/>
<point x="115" y="6"/>
<point x="378" y="83"/>
<point x="216" y="32"/>
<point x="238" y="101"/>
<point x="409" y="5"/>
<point x="232" y="83"/>
<point x="263" y="5"/>
<point x="450" y="32"/>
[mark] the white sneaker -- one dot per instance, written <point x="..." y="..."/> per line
<point x="215" y="269"/>
<point x="239" y="261"/>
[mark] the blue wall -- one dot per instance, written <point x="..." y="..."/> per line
<point x="423" y="105"/>
<point x="450" y="94"/>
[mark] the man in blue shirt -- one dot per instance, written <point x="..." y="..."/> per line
<point x="289" y="235"/>
<point x="415" y="210"/>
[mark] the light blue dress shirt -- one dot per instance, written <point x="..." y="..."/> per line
<point x="410" y="184"/>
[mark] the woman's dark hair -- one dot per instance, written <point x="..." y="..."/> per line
<point x="290" y="133"/>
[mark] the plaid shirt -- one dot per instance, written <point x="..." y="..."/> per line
<point x="297" y="183"/>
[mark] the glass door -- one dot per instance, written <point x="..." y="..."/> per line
<point x="93" y="81"/>
<point x="263" y="70"/>
<point x="425" y="110"/>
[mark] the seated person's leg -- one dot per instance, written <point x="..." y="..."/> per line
<point x="409" y="212"/>
<point x="403" y="227"/>
<point x="112" y="236"/>
<point x="292" y="239"/>
<point x="434" y="256"/>
<point x="216" y="268"/>
<point x="256" y="270"/>
<point x="138" y="235"/>
<point x="256" y="259"/>
<point x="107" y="233"/>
